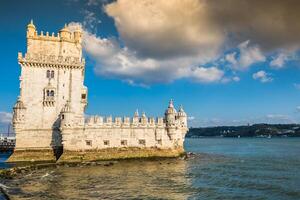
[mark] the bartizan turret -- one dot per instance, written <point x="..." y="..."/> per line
<point x="66" y="116"/>
<point x="182" y="117"/>
<point x="31" y="31"/>
<point x="18" y="113"/>
<point x="170" y="119"/>
<point x="65" y="33"/>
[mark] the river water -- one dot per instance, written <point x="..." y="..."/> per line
<point x="223" y="168"/>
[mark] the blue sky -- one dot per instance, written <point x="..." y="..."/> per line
<point x="140" y="54"/>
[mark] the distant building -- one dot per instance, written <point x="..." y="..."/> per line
<point x="49" y="113"/>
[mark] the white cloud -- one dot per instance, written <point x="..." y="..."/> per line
<point x="122" y="63"/>
<point x="262" y="76"/>
<point x="279" y="119"/>
<point x="90" y="21"/>
<point x="245" y="56"/>
<point x="164" y="29"/>
<point x="297" y="86"/>
<point x="191" y="118"/>
<point x="231" y="58"/>
<point x="249" y="55"/>
<point x="279" y="61"/>
<point x="236" y="79"/>
<point x="5" y="117"/>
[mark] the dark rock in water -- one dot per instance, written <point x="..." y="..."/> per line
<point x="108" y="164"/>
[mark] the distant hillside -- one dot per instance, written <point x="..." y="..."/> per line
<point x="256" y="130"/>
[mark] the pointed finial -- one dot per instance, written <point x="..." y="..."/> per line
<point x="181" y="108"/>
<point x="136" y="113"/>
<point x="144" y="114"/>
<point x="171" y="105"/>
<point x="31" y="21"/>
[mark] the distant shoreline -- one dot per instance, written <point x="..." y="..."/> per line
<point x="255" y="130"/>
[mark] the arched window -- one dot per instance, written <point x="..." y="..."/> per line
<point x="48" y="74"/>
<point x="52" y="93"/>
<point x="52" y="74"/>
<point x="48" y="93"/>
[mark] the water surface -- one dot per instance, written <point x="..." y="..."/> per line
<point x="223" y="168"/>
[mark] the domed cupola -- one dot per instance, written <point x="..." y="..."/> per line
<point x="66" y="115"/>
<point x="19" y="104"/>
<point x="171" y="109"/>
<point x="31" y="31"/>
<point x="170" y="114"/>
<point x="181" y="112"/>
<point x="65" y="33"/>
<point x="19" y="111"/>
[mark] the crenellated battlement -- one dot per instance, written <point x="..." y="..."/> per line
<point x="63" y="35"/>
<point x="65" y="43"/>
<point x="99" y="121"/>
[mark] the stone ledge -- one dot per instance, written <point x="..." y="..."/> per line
<point x="47" y="155"/>
<point x="119" y="154"/>
<point x="33" y="155"/>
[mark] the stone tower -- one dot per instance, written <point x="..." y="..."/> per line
<point x="52" y="78"/>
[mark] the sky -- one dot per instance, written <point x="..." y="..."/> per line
<point x="229" y="62"/>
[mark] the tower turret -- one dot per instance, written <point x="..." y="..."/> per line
<point x="78" y="35"/>
<point x="65" y="33"/>
<point x="170" y="118"/>
<point x="182" y="117"/>
<point x="144" y="119"/>
<point x="135" y="119"/>
<point x="170" y="114"/>
<point x="66" y="115"/>
<point x="18" y="113"/>
<point x="31" y="31"/>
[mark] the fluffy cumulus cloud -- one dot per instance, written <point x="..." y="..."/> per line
<point x="163" y="29"/>
<point x="279" y="118"/>
<point x="245" y="56"/>
<point x="262" y="76"/>
<point x="5" y="120"/>
<point x="5" y="117"/>
<point x="115" y="61"/>
<point x="161" y="41"/>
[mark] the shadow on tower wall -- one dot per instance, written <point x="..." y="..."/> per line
<point x="56" y="142"/>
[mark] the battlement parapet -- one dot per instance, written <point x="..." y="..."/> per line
<point x="72" y="38"/>
<point x="34" y="59"/>
<point x="99" y="121"/>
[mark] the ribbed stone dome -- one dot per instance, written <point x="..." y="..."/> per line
<point x="19" y="104"/>
<point x="171" y="109"/>
<point x="181" y="111"/>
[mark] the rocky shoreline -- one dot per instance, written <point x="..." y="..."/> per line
<point x="27" y="167"/>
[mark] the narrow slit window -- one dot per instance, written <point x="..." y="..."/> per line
<point x="52" y="74"/>
<point x="106" y="142"/>
<point x="88" y="142"/>
<point x="48" y="74"/>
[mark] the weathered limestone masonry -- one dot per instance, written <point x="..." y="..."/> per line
<point x="49" y="113"/>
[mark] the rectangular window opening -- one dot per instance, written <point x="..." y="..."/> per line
<point x="106" y="142"/>
<point x="88" y="142"/>
<point x="124" y="142"/>
<point x="142" y="142"/>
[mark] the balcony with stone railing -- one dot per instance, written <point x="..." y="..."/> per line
<point x="34" y="59"/>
